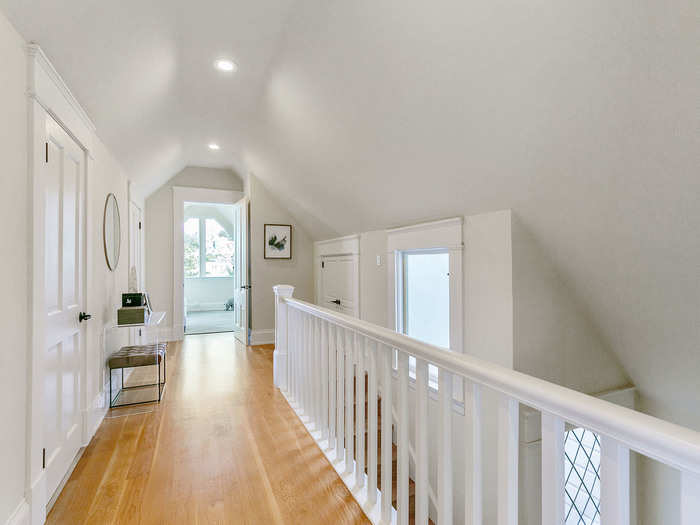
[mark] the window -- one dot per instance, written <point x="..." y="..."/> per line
<point x="192" y="247"/>
<point x="582" y="471"/>
<point x="425" y="294"/>
<point x="208" y="248"/>
<point x="426" y="286"/>
<point x="219" y="250"/>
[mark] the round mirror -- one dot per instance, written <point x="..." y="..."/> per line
<point x="111" y="231"/>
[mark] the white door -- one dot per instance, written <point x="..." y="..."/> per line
<point x="339" y="284"/>
<point x="64" y="201"/>
<point x="135" y="243"/>
<point x="241" y="283"/>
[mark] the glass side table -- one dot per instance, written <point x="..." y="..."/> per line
<point x="137" y="352"/>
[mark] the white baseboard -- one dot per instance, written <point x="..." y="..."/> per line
<point x="262" y="337"/>
<point x="96" y="413"/>
<point x="37" y="500"/>
<point x="21" y="514"/>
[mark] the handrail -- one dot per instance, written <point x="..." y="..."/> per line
<point x="674" y="445"/>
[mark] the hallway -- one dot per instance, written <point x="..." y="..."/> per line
<point x="223" y="447"/>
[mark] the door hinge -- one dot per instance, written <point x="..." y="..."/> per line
<point x="323" y="264"/>
<point x="43" y="458"/>
<point x="139" y="225"/>
<point x="47" y="153"/>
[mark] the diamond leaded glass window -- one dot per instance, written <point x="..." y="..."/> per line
<point x="582" y="475"/>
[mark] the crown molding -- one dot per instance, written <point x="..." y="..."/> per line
<point x="38" y="59"/>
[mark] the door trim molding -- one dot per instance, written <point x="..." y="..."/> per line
<point x="182" y="194"/>
<point x="49" y="97"/>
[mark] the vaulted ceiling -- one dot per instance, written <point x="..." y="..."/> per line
<point x="581" y="117"/>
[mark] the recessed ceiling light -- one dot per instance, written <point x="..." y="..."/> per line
<point x="226" y="65"/>
<point x="213" y="146"/>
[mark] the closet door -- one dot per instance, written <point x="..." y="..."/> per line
<point x="339" y="282"/>
<point x="64" y="206"/>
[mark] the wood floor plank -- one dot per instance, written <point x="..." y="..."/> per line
<point x="223" y="447"/>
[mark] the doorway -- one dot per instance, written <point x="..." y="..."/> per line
<point x="208" y="264"/>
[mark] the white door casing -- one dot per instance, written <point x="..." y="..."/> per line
<point x="241" y="271"/>
<point x="135" y="235"/>
<point x="64" y="206"/>
<point x="181" y="195"/>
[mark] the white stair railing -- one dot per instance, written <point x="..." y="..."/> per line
<point x="320" y="361"/>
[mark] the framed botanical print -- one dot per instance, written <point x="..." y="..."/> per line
<point x="278" y="241"/>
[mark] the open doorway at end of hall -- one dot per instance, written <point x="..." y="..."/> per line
<point x="209" y="254"/>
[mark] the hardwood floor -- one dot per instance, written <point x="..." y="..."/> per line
<point x="222" y="447"/>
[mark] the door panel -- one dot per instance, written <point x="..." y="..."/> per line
<point x="63" y="181"/>
<point x="241" y="281"/>
<point x="339" y="283"/>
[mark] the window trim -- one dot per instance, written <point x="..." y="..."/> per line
<point x="443" y="235"/>
<point x="202" y="231"/>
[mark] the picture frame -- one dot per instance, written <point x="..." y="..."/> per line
<point x="277" y="240"/>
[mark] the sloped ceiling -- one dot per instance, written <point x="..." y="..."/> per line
<point x="143" y="70"/>
<point x="581" y="117"/>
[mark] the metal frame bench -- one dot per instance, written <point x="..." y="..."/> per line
<point x="136" y="356"/>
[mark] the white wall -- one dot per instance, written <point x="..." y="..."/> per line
<point x="159" y="229"/>
<point x="104" y="287"/>
<point x="553" y="336"/>
<point x="14" y="268"/>
<point x="373" y="277"/>
<point x="208" y="293"/>
<point x="265" y="273"/>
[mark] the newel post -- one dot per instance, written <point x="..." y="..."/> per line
<point x="279" y="356"/>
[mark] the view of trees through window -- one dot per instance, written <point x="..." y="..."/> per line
<point x="208" y="250"/>
<point x="219" y="250"/>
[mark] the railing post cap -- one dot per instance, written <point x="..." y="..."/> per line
<point x="283" y="290"/>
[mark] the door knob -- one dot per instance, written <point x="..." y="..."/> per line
<point x="245" y="287"/>
<point x="336" y="301"/>
<point x="82" y="316"/>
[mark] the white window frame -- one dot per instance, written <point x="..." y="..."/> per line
<point x="203" y="250"/>
<point x="443" y="235"/>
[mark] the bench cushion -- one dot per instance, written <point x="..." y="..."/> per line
<point x="137" y="355"/>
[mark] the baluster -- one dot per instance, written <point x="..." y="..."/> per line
<point x="402" y="438"/>
<point x="508" y="431"/>
<point x="690" y="498"/>
<point x="290" y="338"/>
<point x="472" y="455"/>
<point x="340" y="405"/>
<point x="331" y="386"/>
<point x="372" y="423"/>
<point x="445" y="447"/>
<point x="421" y="441"/>
<point x="324" y="380"/>
<point x="615" y="482"/>
<point x="299" y="371"/>
<point x="307" y="360"/>
<point x="349" y="401"/>
<point x="316" y="375"/>
<point x="386" y="358"/>
<point x="552" y="469"/>
<point x="360" y="411"/>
